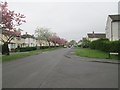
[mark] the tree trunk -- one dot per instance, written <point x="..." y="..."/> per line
<point x="40" y="43"/>
<point x="40" y="46"/>
<point x="55" y="44"/>
<point x="5" y="49"/>
<point x="49" y="44"/>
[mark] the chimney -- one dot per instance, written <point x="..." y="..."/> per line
<point x="26" y="33"/>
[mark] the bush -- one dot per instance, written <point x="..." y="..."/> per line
<point x="24" y="49"/>
<point x="106" y="45"/>
<point x="100" y="44"/>
<point x="115" y="46"/>
<point x="85" y="44"/>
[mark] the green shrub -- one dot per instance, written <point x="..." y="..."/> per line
<point x="24" y="49"/>
<point x="85" y="44"/>
<point x="79" y="45"/>
<point x="115" y="46"/>
<point x="105" y="45"/>
<point x="100" y="44"/>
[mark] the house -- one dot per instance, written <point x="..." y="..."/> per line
<point x="25" y="40"/>
<point x="41" y="42"/>
<point x="14" y="43"/>
<point x="94" y="36"/>
<point x="28" y="40"/>
<point x="7" y="35"/>
<point x="112" y="29"/>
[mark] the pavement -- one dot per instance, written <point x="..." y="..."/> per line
<point x="59" y="69"/>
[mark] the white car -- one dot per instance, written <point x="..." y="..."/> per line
<point x="65" y="46"/>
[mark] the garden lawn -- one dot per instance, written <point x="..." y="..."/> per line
<point x="18" y="55"/>
<point x="90" y="53"/>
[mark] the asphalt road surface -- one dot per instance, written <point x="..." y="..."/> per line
<point x="55" y="69"/>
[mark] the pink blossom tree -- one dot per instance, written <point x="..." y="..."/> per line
<point x="55" y="39"/>
<point x="8" y="25"/>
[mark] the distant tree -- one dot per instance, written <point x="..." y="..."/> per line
<point x="55" y="39"/>
<point x="85" y="43"/>
<point x="72" y="42"/>
<point x="10" y="21"/>
<point x="43" y="34"/>
<point x="63" y="41"/>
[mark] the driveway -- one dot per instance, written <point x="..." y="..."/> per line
<point x="55" y="69"/>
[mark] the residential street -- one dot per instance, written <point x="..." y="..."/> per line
<point x="55" y="69"/>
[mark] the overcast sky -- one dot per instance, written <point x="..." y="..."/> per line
<point x="70" y="20"/>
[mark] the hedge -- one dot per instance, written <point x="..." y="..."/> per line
<point x="24" y="49"/>
<point x="85" y="44"/>
<point x="115" y="46"/>
<point x="106" y="45"/>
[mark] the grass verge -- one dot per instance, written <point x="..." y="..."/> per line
<point x="90" y="53"/>
<point x="18" y="55"/>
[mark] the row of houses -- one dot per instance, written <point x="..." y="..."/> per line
<point x="112" y="30"/>
<point x="25" y="40"/>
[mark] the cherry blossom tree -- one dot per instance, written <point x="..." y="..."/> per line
<point x="9" y="23"/>
<point x="62" y="41"/>
<point x="45" y="34"/>
<point x="55" y="39"/>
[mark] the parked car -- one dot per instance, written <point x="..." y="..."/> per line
<point x="65" y="46"/>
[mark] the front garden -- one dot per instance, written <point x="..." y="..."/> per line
<point x="99" y="49"/>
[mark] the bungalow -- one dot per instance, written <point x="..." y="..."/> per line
<point x="6" y="35"/>
<point x="112" y="29"/>
<point x="28" y="40"/>
<point x="41" y="42"/>
<point x="94" y="36"/>
<point x="25" y="40"/>
<point x="14" y="43"/>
